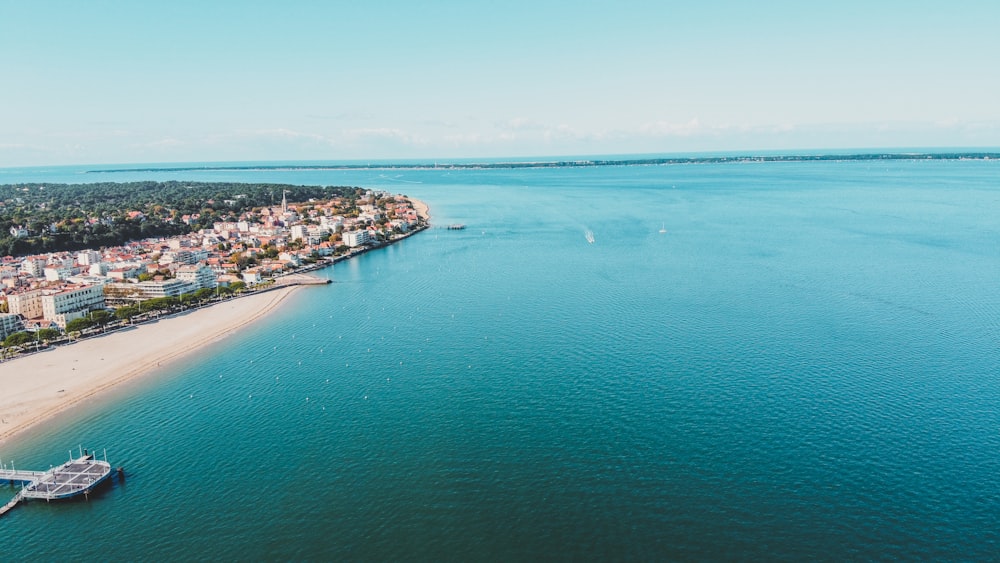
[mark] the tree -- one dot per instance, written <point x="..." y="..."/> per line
<point x="101" y="317"/>
<point x="78" y="325"/>
<point x="126" y="313"/>
<point x="48" y="334"/>
<point x="17" y="339"/>
<point x="159" y="303"/>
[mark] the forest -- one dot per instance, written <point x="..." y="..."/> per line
<point x="67" y="217"/>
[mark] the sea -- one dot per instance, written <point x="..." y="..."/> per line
<point x="716" y="361"/>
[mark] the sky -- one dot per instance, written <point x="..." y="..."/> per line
<point x="101" y="82"/>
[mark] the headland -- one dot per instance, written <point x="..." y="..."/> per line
<point x="36" y="387"/>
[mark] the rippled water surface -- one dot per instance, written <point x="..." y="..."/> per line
<point x="804" y="365"/>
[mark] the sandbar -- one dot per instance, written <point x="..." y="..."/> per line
<point x="36" y="387"/>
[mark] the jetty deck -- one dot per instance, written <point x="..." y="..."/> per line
<point x="75" y="477"/>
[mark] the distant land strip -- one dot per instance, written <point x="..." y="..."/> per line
<point x="581" y="163"/>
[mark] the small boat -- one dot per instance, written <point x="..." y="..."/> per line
<point x="590" y="236"/>
<point x="663" y="228"/>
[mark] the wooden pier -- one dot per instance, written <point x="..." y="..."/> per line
<point x="75" y="477"/>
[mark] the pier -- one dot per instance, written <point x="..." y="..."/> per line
<point x="75" y="477"/>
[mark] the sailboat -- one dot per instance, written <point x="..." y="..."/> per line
<point x="663" y="228"/>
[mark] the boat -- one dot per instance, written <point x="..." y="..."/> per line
<point x="663" y="228"/>
<point x="590" y="236"/>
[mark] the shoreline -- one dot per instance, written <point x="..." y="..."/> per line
<point x="422" y="209"/>
<point x="66" y="376"/>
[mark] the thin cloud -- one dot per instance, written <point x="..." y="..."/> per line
<point x="522" y="124"/>
<point x="670" y="129"/>
<point x="344" y="116"/>
<point x="384" y="133"/>
<point x="167" y="143"/>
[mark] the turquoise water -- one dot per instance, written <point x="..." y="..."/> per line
<point x="804" y="366"/>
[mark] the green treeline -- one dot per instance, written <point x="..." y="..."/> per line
<point x="67" y="217"/>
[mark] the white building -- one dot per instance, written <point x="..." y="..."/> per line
<point x="57" y="273"/>
<point x="333" y="222"/>
<point x="178" y="257"/>
<point x="252" y="276"/>
<point x="88" y="257"/>
<point x="299" y="232"/>
<point x="198" y="275"/>
<point x="34" y="267"/>
<point x="71" y="302"/>
<point x="126" y="272"/>
<point x="165" y="288"/>
<point x="356" y="238"/>
<point x="291" y="258"/>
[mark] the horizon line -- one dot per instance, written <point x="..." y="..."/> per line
<point x="568" y="162"/>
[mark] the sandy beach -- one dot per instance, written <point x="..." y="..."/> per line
<point x="36" y="387"/>
<point x="421" y="208"/>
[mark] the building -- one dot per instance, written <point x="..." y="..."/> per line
<point x="198" y="275"/>
<point x="356" y="238"/>
<point x="9" y="324"/>
<point x="71" y="302"/>
<point x="179" y="257"/>
<point x="55" y="273"/>
<point x="252" y="276"/>
<point x="300" y="232"/>
<point x="165" y="288"/>
<point x="333" y="222"/>
<point x="127" y="272"/>
<point x="292" y="259"/>
<point x="33" y="266"/>
<point x="88" y="257"/>
<point x="26" y="303"/>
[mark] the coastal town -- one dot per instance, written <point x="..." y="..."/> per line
<point x="54" y="296"/>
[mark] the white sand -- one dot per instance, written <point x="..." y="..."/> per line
<point x="421" y="208"/>
<point x="36" y="387"/>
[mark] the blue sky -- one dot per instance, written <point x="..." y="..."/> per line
<point x="127" y="82"/>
